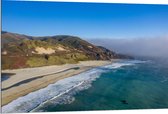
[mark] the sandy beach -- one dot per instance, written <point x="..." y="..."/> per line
<point x="28" y="80"/>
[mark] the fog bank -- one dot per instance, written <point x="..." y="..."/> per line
<point x="150" y="47"/>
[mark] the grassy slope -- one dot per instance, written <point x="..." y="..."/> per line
<point x="20" y="50"/>
<point x="20" y="55"/>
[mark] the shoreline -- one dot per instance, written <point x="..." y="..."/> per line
<point x="56" y="73"/>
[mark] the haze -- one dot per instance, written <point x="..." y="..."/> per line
<point x="149" y="47"/>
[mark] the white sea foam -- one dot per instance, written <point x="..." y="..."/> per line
<point x="124" y="63"/>
<point x="117" y="65"/>
<point x="60" y="92"/>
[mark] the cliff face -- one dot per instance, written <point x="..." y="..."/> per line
<point x="20" y="51"/>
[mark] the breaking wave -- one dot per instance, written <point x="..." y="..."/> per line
<point x="62" y="91"/>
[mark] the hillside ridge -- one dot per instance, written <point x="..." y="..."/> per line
<point x="21" y="51"/>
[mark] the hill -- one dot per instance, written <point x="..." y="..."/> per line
<point x="20" y="51"/>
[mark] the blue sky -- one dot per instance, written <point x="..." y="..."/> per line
<point x="86" y="20"/>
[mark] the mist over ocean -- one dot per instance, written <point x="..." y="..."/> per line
<point x="126" y="84"/>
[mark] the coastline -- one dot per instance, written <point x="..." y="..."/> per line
<point x="41" y="78"/>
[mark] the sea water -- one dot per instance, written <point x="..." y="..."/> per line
<point x="125" y="84"/>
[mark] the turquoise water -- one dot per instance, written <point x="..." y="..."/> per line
<point x="125" y="84"/>
<point x="139" y="86"/>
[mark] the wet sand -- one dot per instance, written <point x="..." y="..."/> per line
<point x="28" y="80"/>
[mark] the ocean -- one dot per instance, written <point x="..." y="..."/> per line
<point x="124" y="84"/>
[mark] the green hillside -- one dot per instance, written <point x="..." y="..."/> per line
<point x="21" y="51"/>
